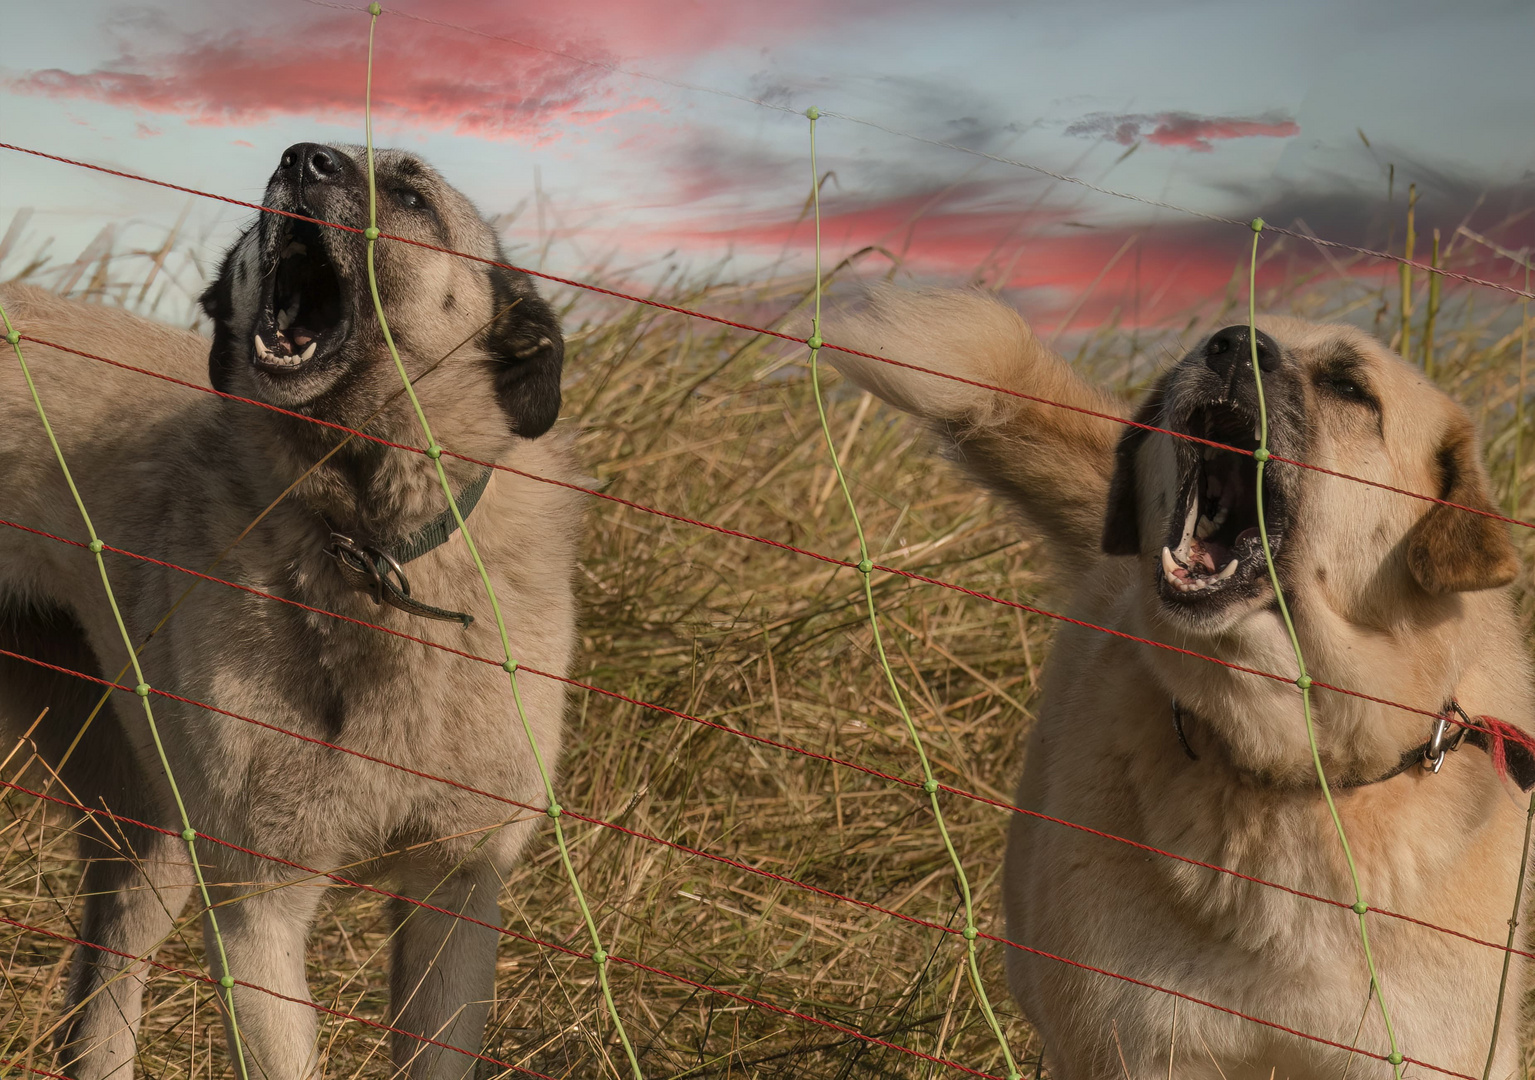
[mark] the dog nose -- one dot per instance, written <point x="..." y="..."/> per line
<point x="311" y="161"/>
<point x="1231" y="346"/>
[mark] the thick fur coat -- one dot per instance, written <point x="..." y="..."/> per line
<point x="1391" y="596"/>
<point x="178" y="475"/>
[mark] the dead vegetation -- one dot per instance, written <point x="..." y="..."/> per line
<point x="715" y="424"/>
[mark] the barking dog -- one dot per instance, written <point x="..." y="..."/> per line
<point x="177" y="474"/>
<point x="1392" y="597"/>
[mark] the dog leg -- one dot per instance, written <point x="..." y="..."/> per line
<point x="443" y="974"/>
<point x="131" y="906"/>
<point x="264" y="938"/>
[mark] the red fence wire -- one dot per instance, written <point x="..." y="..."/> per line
<point x="197" y="976"/>
<point x="928" y="924"/>
<point x="766" y="332"/>
<point x="1525" y="740"/>
<point x="776" y="744"/>
<point x="540" y="942"/>
<point x="1066" y="178"/>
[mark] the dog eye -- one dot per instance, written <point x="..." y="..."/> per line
<point x="1345" y="387"/>
<point x="409" y="198"/>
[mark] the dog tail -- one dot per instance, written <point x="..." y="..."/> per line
<point x="1043" y="452"/>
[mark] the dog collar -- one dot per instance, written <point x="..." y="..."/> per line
<point x="1510" y="756"/>
<point x="380" y="571"/>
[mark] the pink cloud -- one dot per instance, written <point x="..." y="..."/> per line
<point x="1136" y="276"/>
<point x="501" y="70"/>
<point x="423" y="75"/>
<point x="608" y="30"/>
<point x="1188" y="130"/>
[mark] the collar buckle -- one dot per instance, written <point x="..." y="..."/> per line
<point x="1441" y="742"/>
<point x="371" y="567"/>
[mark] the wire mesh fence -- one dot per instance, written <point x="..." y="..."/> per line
<point x="788" y="797"/>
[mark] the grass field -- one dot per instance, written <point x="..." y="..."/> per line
<point x="715" y="424"/>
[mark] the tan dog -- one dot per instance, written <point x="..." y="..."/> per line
<point x="175" y="474"/>
<point x="1392" y="597"/>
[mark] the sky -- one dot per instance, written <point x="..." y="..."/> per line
<point x="634" y="134"/>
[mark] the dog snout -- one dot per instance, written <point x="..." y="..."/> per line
<point x="313" y="163"/>
<point x="1231" y="346"/>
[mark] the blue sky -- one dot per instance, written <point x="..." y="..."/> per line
<point x="1232" y="109"/>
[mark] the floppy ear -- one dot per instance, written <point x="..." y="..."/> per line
<point x="1450" y="550"/>
<point x="218" y="305"/>
<point x="1122" y="519"/>
<point x="528" y="351"/>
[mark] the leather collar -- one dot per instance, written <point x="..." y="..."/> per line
<point x="379" y="570"/>
<point x="1510" y="757"/>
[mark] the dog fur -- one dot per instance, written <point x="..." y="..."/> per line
<point x="1391" y="596"/>
<point x="177" y="474"/>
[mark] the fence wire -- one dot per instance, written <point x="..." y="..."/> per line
<point x="864" y="565"/>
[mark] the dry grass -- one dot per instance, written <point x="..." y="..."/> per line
<point x="714" y="424"/>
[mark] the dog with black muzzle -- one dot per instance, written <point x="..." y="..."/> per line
<point x="366" y="532"/>
<point x="1158" y="536"/>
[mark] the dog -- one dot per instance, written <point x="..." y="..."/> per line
<point x="176" y="474"/>
<point x="1158" y="537"/>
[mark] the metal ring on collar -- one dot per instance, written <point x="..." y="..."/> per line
<point x="1438" y="744"/>
<point x="361" y="561"/>
<point x="394" y="568"/>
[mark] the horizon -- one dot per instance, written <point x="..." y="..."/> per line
<point x="632" y="135"/>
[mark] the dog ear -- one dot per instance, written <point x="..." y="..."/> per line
<point x="528" y="351"/>
<point x="218" y="304"/>
<point x="1450" y="550"/>
<point x="1122" y="520"/>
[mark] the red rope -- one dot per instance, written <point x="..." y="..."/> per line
<point x="717" y="990"/>
<point x="691" y="313"/>
<point x="684" y="980"/>
<point x="527" y="937"/>
<point x="12" y="1063"/>
<point x="197" y="976"/>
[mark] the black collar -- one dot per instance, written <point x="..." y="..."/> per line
<point x="379" y="570"/>
<point x="1508" y="755"/>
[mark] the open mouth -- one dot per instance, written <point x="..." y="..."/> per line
<point x="1214" y="545"/>
<point x="304" y="317"/>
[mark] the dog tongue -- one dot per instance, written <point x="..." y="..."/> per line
<point x="1202" y="555"/>
<point x="301" y="338"/>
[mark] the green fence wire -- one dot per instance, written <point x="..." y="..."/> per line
<point x="865" y="568"/>
<point x="434" y="452"/>
<point x="141" y="688"/>
<point x="1303" y="679"/>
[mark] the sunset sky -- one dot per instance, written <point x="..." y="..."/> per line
<point x="627" y="115"/>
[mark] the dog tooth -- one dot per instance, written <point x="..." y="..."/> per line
<point x="1205" y="527"/>
<point x="1169" y="565"/>
<point x="307" y="353"/>
<point x="261" y="349"/>
<point x="283" y="320"/>
<point x="1231" y="568"/>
